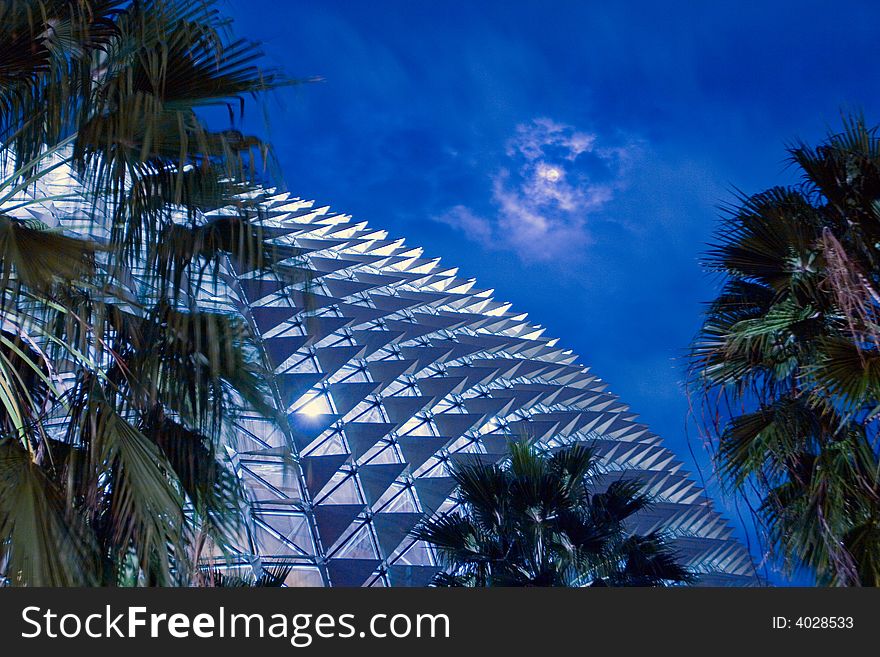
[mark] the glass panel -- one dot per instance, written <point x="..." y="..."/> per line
<point x="359" y="546"/>
<point x="346" y="492"/>
<point x="293" y="527"/>
<point x="280" y="476"/>
<point x="304" y="577"/>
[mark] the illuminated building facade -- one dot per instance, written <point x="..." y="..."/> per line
<point x="389" y="365"/>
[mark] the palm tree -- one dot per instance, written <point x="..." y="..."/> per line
<point x="272" y="576"/>
<point x="788" y="358"/>
<point x="119" y="380"/>
<point x="535" y="522"/>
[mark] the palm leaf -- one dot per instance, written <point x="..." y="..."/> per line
<point x="40" y="545"/>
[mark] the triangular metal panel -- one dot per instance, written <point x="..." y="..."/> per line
<point x="474" y="375"/>
<point x="440" y="386"/>
<point x="372" y="341"/>
<point x="425" y="356"/>
<point x="268" y="317"/>
<point x="305" y="428"/>
<point x="279" y="350"/>
<point x="330" y="265"/>
<point x="318" y="328"/>
<point x="405" y="575"/>
<point x="456" y="424"/>
<point x="496" y="443"/>
<point x="462" y="350"/>
<point x="488" y="406"/>
<point x="538" y="431"/>
<point x="411" y="331"/>
<point x="318" y="470"/>
<point x="376" y="479"/>
<point x="473" y="458"/>
<point x="360" y="314"/>
<point x="440" y="321"/>
<point x="350" y="572"/>
<point x="334" y="519"/>
<point x="332" y="358"/>
<point x="392" y="304"/>
<point x="310" y="301"/>
<point x="433" y="491"/>
<point x="342" y="287"/>
<point x="361" y="436"/>
<point x="379" y="280"/>
<point x="387" y="371"/>
<point x="348" y="395"/>
<point x="292" y="386"/>
<point x="257" y="288"/>
<point x="401" y="409"/>
<point x="392" y="528"/>
<point x="418" y="449"/>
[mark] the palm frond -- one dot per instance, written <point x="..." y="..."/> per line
<point x="791" y="344"/>
<point x="534" y="522"/>
<point x="42" y="546"/>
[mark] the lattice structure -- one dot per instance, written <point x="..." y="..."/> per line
<point x="388" y="365"/>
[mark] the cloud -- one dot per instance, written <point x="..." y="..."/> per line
<point x="475" y="227"/>
<point x="554" y="179"/>
<point x="533" y="139"/>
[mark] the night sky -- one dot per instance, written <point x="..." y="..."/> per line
<point x="571" y="155"/>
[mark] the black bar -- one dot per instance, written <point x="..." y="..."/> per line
<point x="542" y="622"/>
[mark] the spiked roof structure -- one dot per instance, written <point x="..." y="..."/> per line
<point x="388" y="366"/>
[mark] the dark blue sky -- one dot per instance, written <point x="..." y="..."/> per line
<point x="570" y="155"/>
